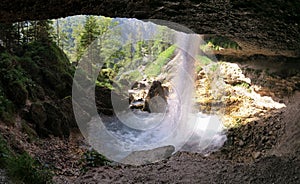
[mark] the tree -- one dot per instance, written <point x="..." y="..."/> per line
<point x="9" y="35"/>
<point x="95" y="28"/>
<point x="44" y="30"/>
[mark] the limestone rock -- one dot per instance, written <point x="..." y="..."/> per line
<point x="232" y="74"/>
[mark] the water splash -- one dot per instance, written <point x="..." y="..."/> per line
<point x="179" y="125"/>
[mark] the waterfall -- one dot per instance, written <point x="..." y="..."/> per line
<point x="179" y="125"/>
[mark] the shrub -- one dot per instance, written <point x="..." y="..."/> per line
<point x="94" y="159"/>
<point x="22" y="168"/>
<point x="219" y="42"/>
<point x="26" y="169"/>
<point x="6" y="108"/>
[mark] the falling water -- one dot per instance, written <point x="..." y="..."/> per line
<point x="179" y="125"/>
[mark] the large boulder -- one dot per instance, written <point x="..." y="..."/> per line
<point x="18" y="93"/>
<point x="156" y="99"/>
<point x="52" y="118"/>
<point x="103" y="100"/>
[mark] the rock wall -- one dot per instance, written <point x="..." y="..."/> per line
<point x="271" y="24"/>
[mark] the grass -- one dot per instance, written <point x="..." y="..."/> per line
<point x="154" y="68"/>
<point x="204" y="60"/>
<point x="134" y="75"/>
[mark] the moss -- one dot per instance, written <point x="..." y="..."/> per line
<point x="7" y="107"/>
<point x="4" y="152"/>
<point x="198" y="69"/>
<point x="18" y="93"/>
<point x="15" y="80"/>
<point x="238" y="122"/>
<point x="55" y="72"/>
<point x="29" y="131"/>
<point x="133" y="75"/>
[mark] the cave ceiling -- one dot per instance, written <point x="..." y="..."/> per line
<point x="267" y="24"/>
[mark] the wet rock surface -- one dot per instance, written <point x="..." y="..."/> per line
<point x="260" y="152"/>
<point x="149" y="96"/>
<point x="138" y="93"/>
<point x="156" y="99"/>
<point x="264" y="150"/>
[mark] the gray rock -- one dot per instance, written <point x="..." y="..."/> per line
<point x="149" y="156"/>
<point x="156" y="99"/>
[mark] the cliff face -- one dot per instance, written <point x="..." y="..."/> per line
<point x="267" y="24"/>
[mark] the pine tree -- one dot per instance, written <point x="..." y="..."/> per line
<point x="9" y="36"/>
<point x="44" y="31"/>
<point x="97" y="28"/>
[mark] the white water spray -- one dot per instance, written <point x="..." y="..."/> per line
<point x="179" y="125"/>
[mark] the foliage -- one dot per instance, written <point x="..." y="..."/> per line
<point x="118" y="58"/>
<point x="14" y="79"/>
<point x="44" y="30"/>
<point x="25" y="169"/>
<point x="51" y="65"/>
<point x="22" y="168"/>
<point x="202" y="61"/>
<point x="6" y="107"/>
<point x="8" y="35"/>
<point x="15" y="35"/>
<point x="94" y="28"/>
<point x="132" y="75"/>
<point x="220" y="42"/>
<point x="94" y="159"/>
<point x="89" y="33"/>
<point x="244" y="85"/>
<point x="4" y="152"/>
<point x="31" y="75"/>
<point x="32" y="135"/>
